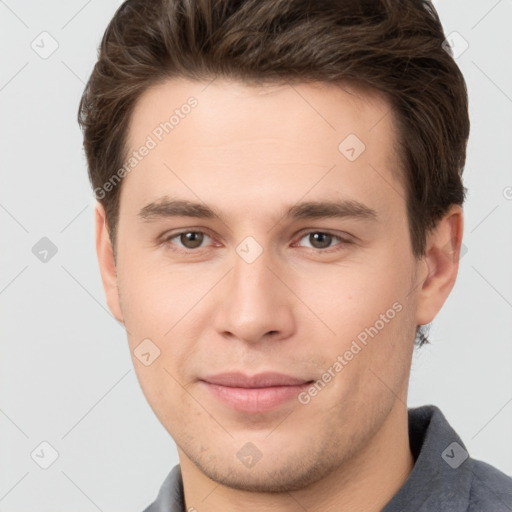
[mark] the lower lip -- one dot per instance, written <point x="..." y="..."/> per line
<point x="255" y="399"/>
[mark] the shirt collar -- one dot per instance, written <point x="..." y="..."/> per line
<point x="442" y="473"/>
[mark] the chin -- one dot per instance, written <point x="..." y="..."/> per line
<point x="279" y="478"/>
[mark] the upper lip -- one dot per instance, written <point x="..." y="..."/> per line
<point x="261" y="380"/>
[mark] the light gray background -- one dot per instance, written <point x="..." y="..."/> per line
<point x="66" y="373"/>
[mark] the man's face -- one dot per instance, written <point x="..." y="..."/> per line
<point x="258" y="291"/>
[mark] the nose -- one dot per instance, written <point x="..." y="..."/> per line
<point x="256" y="304"/>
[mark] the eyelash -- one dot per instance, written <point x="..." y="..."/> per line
<point x="343" y="241"/>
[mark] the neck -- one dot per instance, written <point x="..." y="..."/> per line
<point x="367" y="481"/>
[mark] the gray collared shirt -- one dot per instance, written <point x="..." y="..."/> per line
<point x="444" y="478"/>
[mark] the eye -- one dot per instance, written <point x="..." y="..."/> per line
<point x="189" y="240"/>
<point x="322" y="240"/>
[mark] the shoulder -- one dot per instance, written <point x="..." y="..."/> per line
<point x="491" y="489"/>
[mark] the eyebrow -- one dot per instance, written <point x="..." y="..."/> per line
<point x="165" y="207"/>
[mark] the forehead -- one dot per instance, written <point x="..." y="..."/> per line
<point x="227" y="105"/>
<point x="247" y="142"/>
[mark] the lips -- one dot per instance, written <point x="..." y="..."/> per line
<point x="261" y="380"/>
<point x="257" y="393"/>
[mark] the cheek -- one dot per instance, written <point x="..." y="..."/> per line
<point x="371" y="312"/>
<point x="150" y="298"/>
<point x="159" y="305"/>
<point x="164" y="393"/>
<point x="352" y="298"/>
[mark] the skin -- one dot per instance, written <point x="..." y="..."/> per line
<point x="250" y="152"/>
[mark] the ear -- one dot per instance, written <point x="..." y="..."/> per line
<point x="442" y="261"/>
<point x="107" y="263"/>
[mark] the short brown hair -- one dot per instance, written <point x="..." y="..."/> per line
<point x="394" y="46"/>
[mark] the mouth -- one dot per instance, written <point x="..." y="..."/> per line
<point x="254" y="394"/>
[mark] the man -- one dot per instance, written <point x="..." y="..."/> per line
<point x="279" y="214"/>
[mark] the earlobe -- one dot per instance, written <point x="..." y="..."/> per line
<point x="442" y="262"/>
<point x="107" y="263"/>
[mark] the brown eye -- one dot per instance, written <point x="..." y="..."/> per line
<point x="323" y="242"/>
<point x="320" y="240"/>
<point x="192" y="239"/>
<point x="188" y="240"/>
